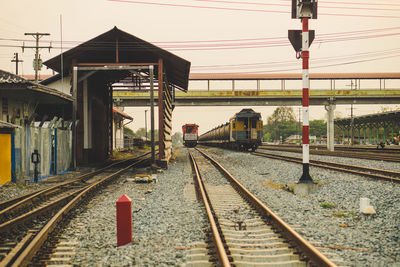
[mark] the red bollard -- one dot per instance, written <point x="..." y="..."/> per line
<point x="124" y="220"/>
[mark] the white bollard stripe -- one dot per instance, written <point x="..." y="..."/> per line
<point x="305" y="41"/>
<point x="305" y="78"/>
<point x="306" y="153"/>
<point x="306" y="121"/>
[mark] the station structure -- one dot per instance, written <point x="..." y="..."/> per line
<point x="276" y="89"/>
<point x="88" y="72"/>
<point x="381" y="127"/>
<point x="117" y="69"/>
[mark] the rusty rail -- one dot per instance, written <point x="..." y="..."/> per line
<point x="22" y="255"/>
<point x="222" y="255"/>
<point x="387" y="175"/>
<point x="304" y="248"/>
<point x="360" y="155"/>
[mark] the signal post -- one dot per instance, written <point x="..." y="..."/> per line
<point x="301" y="41"/>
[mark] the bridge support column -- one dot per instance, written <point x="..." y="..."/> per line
<point x="330" y="126"/>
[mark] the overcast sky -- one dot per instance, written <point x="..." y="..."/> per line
<point x="215" y="36"/>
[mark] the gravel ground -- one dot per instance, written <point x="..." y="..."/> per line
<point x="167" y="220"/>
<point x="377" y="164"/>
<point x="365" y="240"/>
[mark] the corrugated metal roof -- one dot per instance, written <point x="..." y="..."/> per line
<point x="291" y="76"/>
<point x="384" y="116"/>
<point x="102" y="49"/>
<point x="7" y="125"/>
<point x="10" y="82"/>
<point x="8" y="77"/>
<point x="123" y="114"/>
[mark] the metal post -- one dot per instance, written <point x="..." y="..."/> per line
<point x="351" y="126"/>
<point x="151" y="70"/>
<point x="330" y="126"/>
<point x="74" y="110"/>
<point x="145" y="122"/>
<point x="305" y="54"/>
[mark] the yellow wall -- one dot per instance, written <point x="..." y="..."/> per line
<point x="5" y="158"/>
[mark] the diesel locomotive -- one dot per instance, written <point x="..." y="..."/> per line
<point x="190" y="134"/>
<point x="242" y="132"/>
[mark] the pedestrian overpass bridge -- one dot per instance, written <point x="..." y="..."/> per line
<point x="241" y="89"/>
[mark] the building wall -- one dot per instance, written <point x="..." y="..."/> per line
<point x="62" y="86"/>
<point x="118" y="132"/>
<point x="14" y="110"/>
<point x="5" y="158"/>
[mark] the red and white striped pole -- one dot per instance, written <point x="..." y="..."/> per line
<point x="305" y="54"/>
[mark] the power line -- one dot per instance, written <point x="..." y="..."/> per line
<point x="284" y="38"/>
<point x="231" y="44"/>
<point x="321" y="5"/>
<point x="317" y="60"/>
<point x="249" y="10"/>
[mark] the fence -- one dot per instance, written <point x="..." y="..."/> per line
<point x="53" y="145"/>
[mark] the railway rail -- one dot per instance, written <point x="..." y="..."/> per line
<point x="391" y="149"/>
<point x="245" y="231"/>
<point x="58" y="201"/>
<point x="387" y="175"/>
<point x="367" y="154"/>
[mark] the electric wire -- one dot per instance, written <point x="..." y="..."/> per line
<point x="249" y="10"/>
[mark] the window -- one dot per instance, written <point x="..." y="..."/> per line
<point x="4" y="105"/>
<point x="234" y="125"/>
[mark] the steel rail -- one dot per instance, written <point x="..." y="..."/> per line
<point x="360" y="155"/>
<point x="305" y="248"/>
<point x="24" y="256"/>
<point x="7" y="203"/>
<point x="353" y="169"/>
<point x="36" y="212"/>
<point x="29" y="198"/>
<point x="222" y="255"/>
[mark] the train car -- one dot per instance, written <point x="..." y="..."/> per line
<point x="190" y="134"/>
<point x="242" y="132"/>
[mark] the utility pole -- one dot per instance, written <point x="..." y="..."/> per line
<point x="16" y="60"/>
<point x="36" y="63"/>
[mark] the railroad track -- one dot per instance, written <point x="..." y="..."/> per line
<point x="360" y="155"/>
<point x="27" y="223"/>
<point x="392" y="176"/>
<point x="245" y="232"/>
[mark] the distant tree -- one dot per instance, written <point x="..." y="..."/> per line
<point x="282" y="123"/>
<point x="267" y="137"/>
<point x="177" y="138"/>
<point x="318" y="128"/>
<point x="282" y="114"/>
<point x="141" y="132"/>
<point x="128" y="132"/>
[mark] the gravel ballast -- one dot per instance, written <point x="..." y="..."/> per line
<point x="167" y="219"/>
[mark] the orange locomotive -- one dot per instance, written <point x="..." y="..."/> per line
<point x="190" y="134"/>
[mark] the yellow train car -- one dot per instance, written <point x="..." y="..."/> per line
<point x="242" y="132"/>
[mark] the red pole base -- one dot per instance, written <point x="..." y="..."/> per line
<point x="124" y="220"/>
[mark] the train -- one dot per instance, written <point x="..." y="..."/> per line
<point x="242" y="132"/>
<point x="190" y="134"/>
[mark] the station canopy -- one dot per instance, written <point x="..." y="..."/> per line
<point x="116" y="46"/>
<point x="372" y="120"/>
